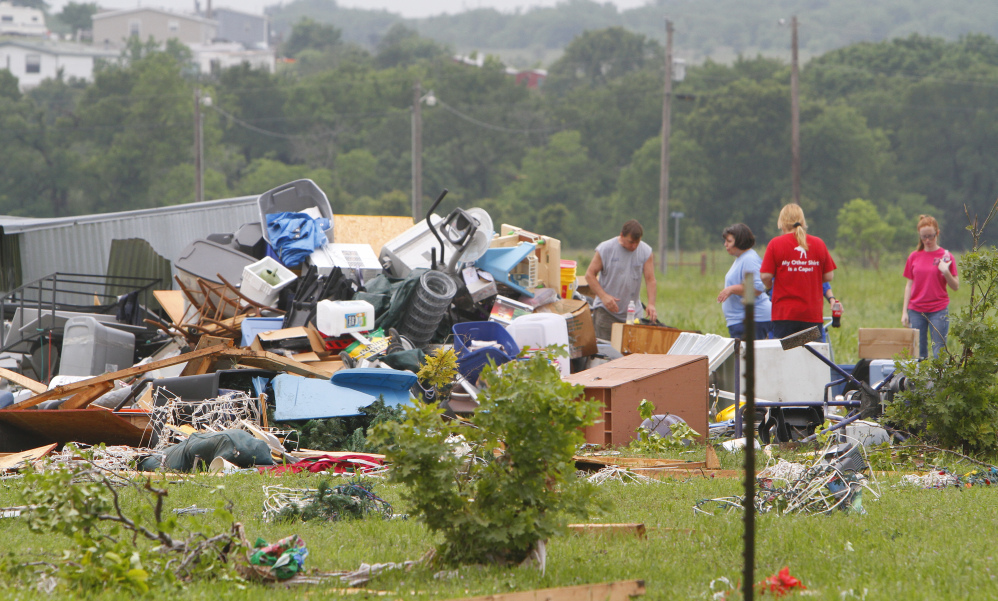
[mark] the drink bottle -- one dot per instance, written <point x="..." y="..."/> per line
<point x="836" y="314"/>
<point x="631" y="312"/>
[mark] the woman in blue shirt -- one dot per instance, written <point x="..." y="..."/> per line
<point x="738" y="241"/>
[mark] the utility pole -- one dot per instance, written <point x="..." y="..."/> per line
<point x="663" y="182"/>
<point x="417" y="151"/>
<point x="794" y="114"/>
<point x="198" y="148"/>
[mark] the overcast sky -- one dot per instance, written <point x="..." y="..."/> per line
<point x="407" y="8"/>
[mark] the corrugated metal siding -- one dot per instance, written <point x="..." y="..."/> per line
<point x="82" y="244"/>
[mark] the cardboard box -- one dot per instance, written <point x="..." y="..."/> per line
<point x="884" y="343"/>
<point x="581" y="332"/>
<point x="548" y="252"/>
<point x="676" y="384"/>
<point x="315" y="351"/>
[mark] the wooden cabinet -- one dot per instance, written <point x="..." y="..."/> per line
<point x="676" y="384"/>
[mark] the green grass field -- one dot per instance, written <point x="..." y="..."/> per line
<point x="912" y="544"/>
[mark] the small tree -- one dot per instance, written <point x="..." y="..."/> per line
<point x="954" y="397"/>
<point x="519" y="486"/>
<point x="862" y="233"/>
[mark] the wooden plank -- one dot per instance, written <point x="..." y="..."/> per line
<point x="653" y="340"/>
<point x="713" y="463"/>
<point x="83" y="398"/>
<point x="13" y="460"/>
<point x="203" y="365"/>
<point x="636" y="462"/>
<point x="23" y="381"/>
<point x="89" y="426"/>
<point x="375" y="230"/>
<point x="136" y="370"/>
<point x="172" y="302"/>
<point x="607" y="591"/>
<point x="637" y="530"/>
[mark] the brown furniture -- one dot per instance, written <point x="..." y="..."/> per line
<point x="629" y="338"/>
<point x="676" y="384"/>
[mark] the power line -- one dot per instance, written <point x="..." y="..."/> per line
<point x="485" y="125"/>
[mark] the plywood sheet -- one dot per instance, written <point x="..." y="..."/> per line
<point x="89" y="426"/>
<point x="375" y="230"/>
<point x="14" y="460"/>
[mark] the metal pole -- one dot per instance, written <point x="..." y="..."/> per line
<point x="677" y="239"/>
<point x="748" y="575"/>
<point x="663" y="182"/>
<point x="417" y="151"/>
<point x="198" y="149"/>
<point x="794" y="114"/>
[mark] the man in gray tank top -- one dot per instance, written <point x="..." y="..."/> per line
<point x="615" y="276"/>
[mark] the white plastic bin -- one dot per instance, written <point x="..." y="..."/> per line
<point x="257" y="288"/>
<point x="539" y="330"/>
<point x="336" y="318"/>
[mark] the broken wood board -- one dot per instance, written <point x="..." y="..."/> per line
<point x="309" y="453"/>
<point x="684" y="474"/>
<point x="23" y="381"/>
<point x="375" y="230"/>
<point x="11" y="461"/>
<point x="200" y="366"/>
<point x="172" y="302"/>
<point x="87" y="396"/>
<point x="637" y="530"/>
<point x="607" y="591"/>
<point x="637" y="462"/>
<point x="243" y="356"/>
<point x="89" y="426"/>
<point x="713" y="463"/>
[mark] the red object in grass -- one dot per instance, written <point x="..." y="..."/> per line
<point x="780" y="584"/>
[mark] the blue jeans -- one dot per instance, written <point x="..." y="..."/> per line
<point x="763" y="330"/>
<point x="937" y="322"/>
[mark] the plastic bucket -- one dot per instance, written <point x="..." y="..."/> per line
<point x="568" y="278"/>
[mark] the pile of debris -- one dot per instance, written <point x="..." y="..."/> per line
<point x="303" y="315"/>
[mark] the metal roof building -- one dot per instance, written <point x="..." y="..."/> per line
<point x="32" y="248"/>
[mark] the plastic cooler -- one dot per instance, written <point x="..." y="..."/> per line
<point x="295" y="197"/>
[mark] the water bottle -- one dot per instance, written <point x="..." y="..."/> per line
<point x="836" y="314"/>
<point x="631" y="312"/>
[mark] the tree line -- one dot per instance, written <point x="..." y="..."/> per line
<point x="906" y="126"/>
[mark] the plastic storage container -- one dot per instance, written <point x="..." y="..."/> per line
<point x="540" y="330"/>
<point x="90" y="348"/>
<point x="204" y="259"/>
<point x="569" y="281"/>
<point x="263" y="280"/>
<point x="468" y="333"/>
<point x="347" y="257"/>
<point x="295" y="197"/>
<point x="336" y="318"/>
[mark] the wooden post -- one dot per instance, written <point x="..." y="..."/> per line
<point x="663" y="182"/>
<point x="748" y="574"/>
<point x="417" y="152"/>
<point x="794" y="114"/>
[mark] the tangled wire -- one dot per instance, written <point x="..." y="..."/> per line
<point x="354" y="499"/>
<point x="209" y="415"/>
<point x="823" y="487"/>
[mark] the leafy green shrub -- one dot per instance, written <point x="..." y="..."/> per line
<point x="954" y="397"/>
<point x="118" y="542"/>
<point x="520" y="485"/>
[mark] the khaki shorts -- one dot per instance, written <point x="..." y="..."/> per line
<point x="603" y="322"/>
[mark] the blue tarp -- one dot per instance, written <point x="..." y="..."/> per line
<point x="294" y="236"/>
<point x="348" y="391"/>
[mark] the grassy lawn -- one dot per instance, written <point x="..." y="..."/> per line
<point x="912" y="544"/>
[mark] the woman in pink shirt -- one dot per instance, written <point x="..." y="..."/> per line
<point x="926" y="304"/>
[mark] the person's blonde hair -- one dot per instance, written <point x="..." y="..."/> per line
<point x="926" y="221"/>
<point x="792" y="220"/>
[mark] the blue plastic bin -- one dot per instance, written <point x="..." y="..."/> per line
<point x="483" y="331"/>
<point x="470" y="365"/>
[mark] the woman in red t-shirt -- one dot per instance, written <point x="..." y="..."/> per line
<point x="926" y="303"/>
<point x="795" y="265"/>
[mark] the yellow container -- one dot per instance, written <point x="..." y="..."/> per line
<point x="569" y="283"/>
